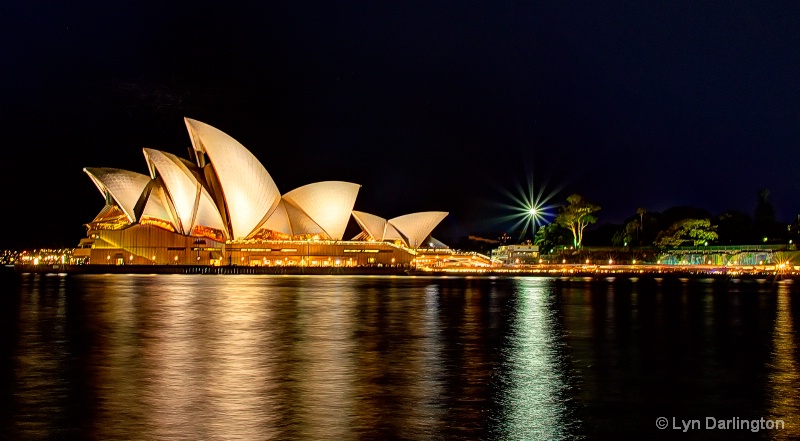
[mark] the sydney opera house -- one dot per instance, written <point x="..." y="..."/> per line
<point x="221" y="207"/>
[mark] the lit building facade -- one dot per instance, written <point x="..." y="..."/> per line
<point x="515" y="254"/>
<point x="221" y="207"/>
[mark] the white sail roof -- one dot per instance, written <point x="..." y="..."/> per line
<point x="250" y="193"/>
<point x="180" y="186"/>
<point x="374" y="225"/>
<point x="392" y="233"/>
<point x="157" y="206"/>
<point x="123" y="186"/>
<point x="300" y="222"/>
<point x="232" y="191"/>
<point x="279" y="220"/>
<point x="327" y="203"/>
<point x="417" y="226"/>
<point x="192" y="202"/>
<point x="412" y="228"/>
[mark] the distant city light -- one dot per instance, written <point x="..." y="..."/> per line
<point x="42" y="256"/>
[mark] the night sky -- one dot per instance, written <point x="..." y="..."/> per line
<point x="428" y="105"/>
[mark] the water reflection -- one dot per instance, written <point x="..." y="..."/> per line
<point x="535" y="399"/>
<point x="784" y="380"/>
<point x="38" y="386"/>
<point x="260" y="357"/>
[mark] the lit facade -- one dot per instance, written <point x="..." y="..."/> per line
<point x="515" y="254"/>
<point x="221" y="207"/>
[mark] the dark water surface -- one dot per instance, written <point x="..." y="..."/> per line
<point x="275" y="357"/>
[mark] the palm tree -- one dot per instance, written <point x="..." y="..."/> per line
<point x="641" y="211"/>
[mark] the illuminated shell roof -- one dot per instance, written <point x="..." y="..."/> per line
<point x="123" y="186"/>
<point x="417" y="226"/>
<point x="193" y="204"/>
<point x="412" y="228"/>
<point x="232" y="186"/>
<point x="250" y="193"/>
<point x="279" y="220"/>
<point x="392" y="233"/>
<point x="300" y="222"/>
<point x="375" y="226"/>
<point x="157" y="205"/>
<point x="327" y="203"/>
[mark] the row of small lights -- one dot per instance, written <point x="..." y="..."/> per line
<point x="49" y="256"/>
<point x="279" y="261"/>
<point x="611" y="262"/>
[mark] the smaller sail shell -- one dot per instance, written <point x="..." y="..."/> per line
<point x="417" y="226"/>
<point x="192" y="202"/>
<point x="328" y="203"/>
<point x="123" y="186"/>
<point x="375" y="226"/>
<point x="279" y="220"/>
<point x="157" y="206"/>
<point x="300" y="222"/>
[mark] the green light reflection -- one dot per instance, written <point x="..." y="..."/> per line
<point x="537" y="400"/>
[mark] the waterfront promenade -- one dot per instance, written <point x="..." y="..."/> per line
<point x="610" y="272"/>
<point x="206" y="269"/>
<point x="780" y="271"/>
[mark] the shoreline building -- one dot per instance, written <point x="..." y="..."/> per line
<point x="516" y="254"/>
<point x="221" y="207"/>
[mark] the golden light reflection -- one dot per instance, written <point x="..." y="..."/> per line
<point x="321" y="378"/>
<point x="38" y="385"/>
<point x="784" y="380"/>
<point x="287" y="357"/>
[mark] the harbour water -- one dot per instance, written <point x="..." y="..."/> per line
<point x="338" y="357"/>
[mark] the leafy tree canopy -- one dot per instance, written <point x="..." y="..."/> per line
<point x="550" y="236"/>
<point x="576" y="216"/>
<point x="627" y="236"/>
<point x="692" y="231"/>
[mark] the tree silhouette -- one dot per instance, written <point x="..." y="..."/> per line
<point x="696" y="231"/>
<point x="765" y="224"/>
<point x="576" y="216"/>
<point x="640" y="211"/>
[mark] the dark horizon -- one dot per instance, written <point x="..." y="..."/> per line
<point x="439" y="106"/>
